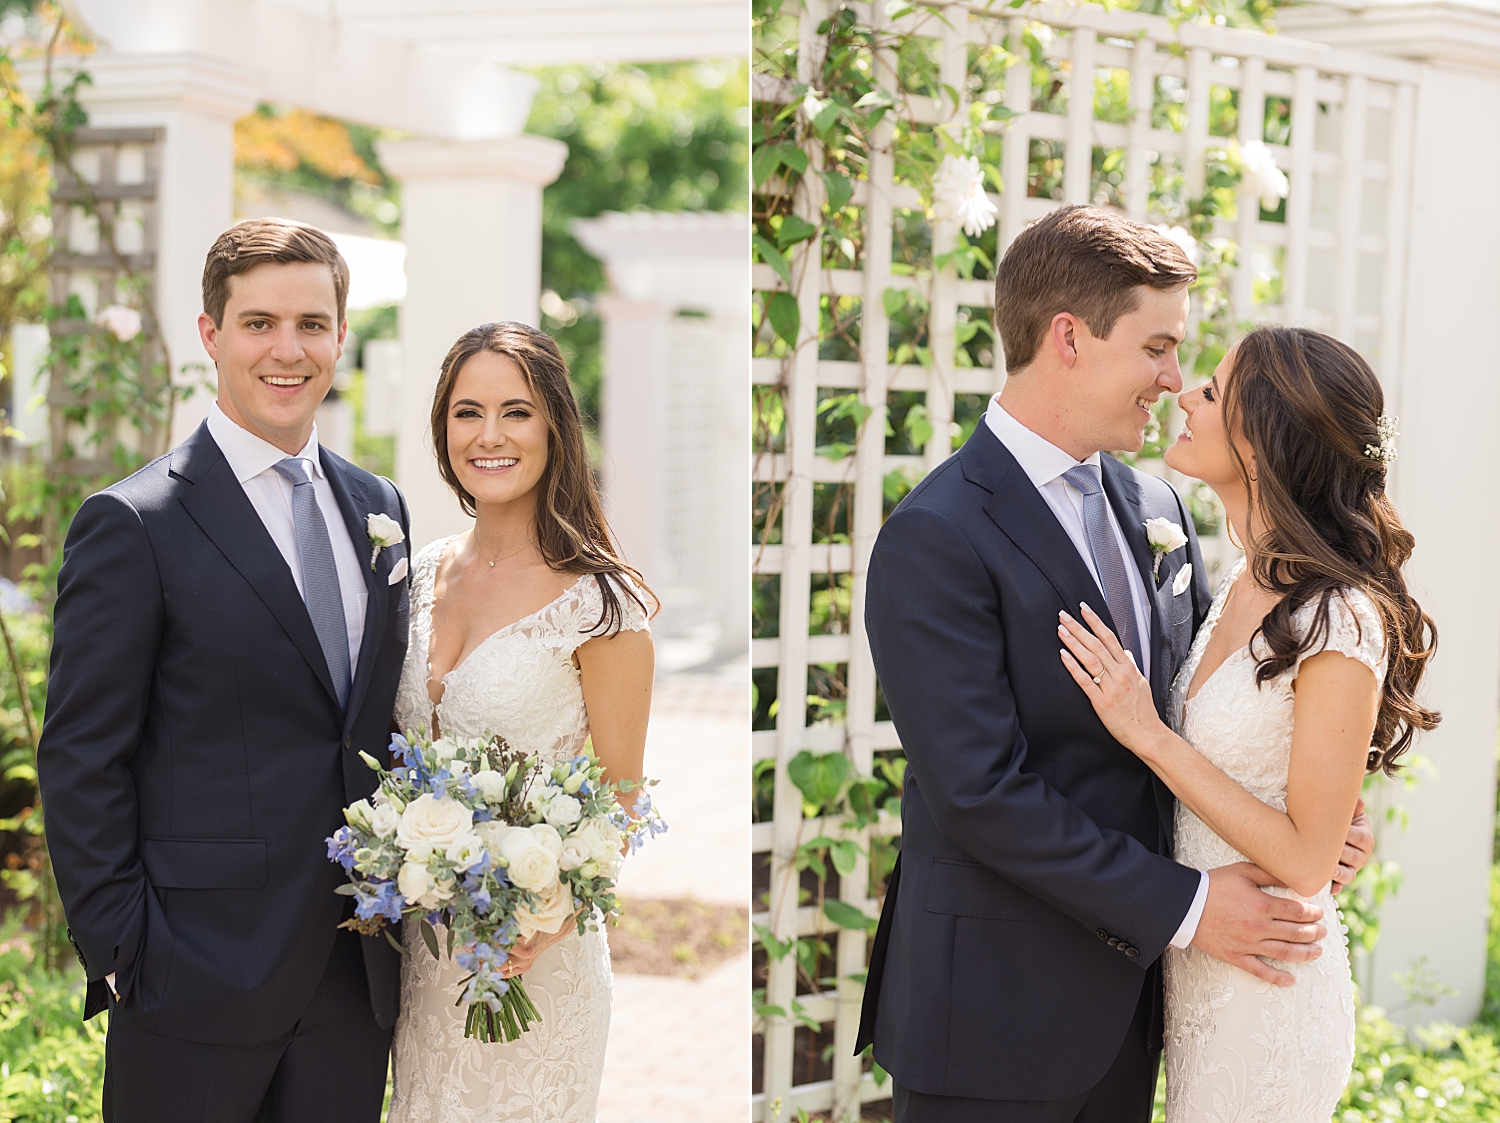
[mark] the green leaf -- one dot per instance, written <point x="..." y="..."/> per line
<point x="847" y="916"/>
<point x="450" y="943"/>
<point x="894" y="300"/>
<point x="793" y="157"/>
<point x="794" y="230"/>
<point x="764" y="163"/>
<point x="840" y="189"/>
<point x="769" y="1012"/>
<point x="918" y="426"/>
<point x="346" y="890"/>
<point x="395" y="943"/>
<point x="429" y="937"/>
<point x="844" y="854"/>
<point x="785" y="316"/>
<point x="820" y="778"/>
<point x="773" y="257"/>
<point x="826" y="117"/>
<point x="776" y="949"/>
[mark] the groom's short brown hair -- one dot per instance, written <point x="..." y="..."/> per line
<point x="1083" y="260"/>
<point x="258" y="240"/>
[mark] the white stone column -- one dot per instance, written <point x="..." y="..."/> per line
<point x="472" y="223"/>
<point x="631" y="407"/>
<point x="1449" y="406"/>
<point x="676" y="412"/>
<point x="196" y="99"/>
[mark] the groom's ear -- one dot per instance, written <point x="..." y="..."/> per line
<point x="1062" y="334"/>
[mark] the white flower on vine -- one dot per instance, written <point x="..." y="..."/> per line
<point x="958" y="195"/>
<point x="1261" y="175"/>
<point x="1183" y="238"/>
<point x="121" y="322"/>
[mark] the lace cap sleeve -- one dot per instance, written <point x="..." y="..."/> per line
<point x="425" y="563"/>
<point x="1354" y="629"/>
<point x="631" y="617"/>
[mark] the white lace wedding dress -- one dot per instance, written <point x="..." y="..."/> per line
<point x="521" y="683"/>
<point x="1240" y="1050"/>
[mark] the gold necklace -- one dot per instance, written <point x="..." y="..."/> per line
<point x="508" y="556"/>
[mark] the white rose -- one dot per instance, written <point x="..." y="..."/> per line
<point x="1262" y="175"/>
<point x="1165" y="535"/>
<point x="383" y="530"/>
<point x="444" y="749"/>
<point x="531" y="865"/>
<point x="421" y="853"/>
<point x="121" y="322"/>
<point x="384" y="820"/>
<point x="575" y="852"/>
<point x="548" y="837"/>
<point x="418" y="888"/>
<point x="434" y="821"/>
<point x="601" y="836"/>
<point x="359" y="814"/>
<point x="562" y="811"/>
<point x="491" y="785"/>
<point x="536" y="801"/>
<point x="489" y="834"/>
<point x="465" y="852"/>
<point x="555" y="910"/>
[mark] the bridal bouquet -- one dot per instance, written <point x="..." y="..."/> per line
<point x="494" y="845"/>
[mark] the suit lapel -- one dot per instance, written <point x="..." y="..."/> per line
<point x="356" y="504"/>
<point x="1124" y="494"/>
<point x="218" y="504"/>
<point x="1125" y="497"/>
<point x="1018" y="509"/>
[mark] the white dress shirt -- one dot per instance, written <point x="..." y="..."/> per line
<point x="1044" y="464"/>
<point x="253" y="460"/>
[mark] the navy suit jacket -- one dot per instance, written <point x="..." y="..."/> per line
<point x="1034" y="894"/>
<point x="194" y="757"/>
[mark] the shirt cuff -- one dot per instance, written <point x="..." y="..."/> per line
<point x="110" y="980"/>
<point x="1189" y="927"/>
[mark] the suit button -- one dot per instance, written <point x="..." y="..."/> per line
<point x="1113" y="942"/>
<point x="1132" y="952"/>
<point x="1101" y="933"/>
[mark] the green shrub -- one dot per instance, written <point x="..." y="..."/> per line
<point x="51" y="1061"/>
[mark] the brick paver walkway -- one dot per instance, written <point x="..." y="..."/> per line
<point x="679" y="1049"/>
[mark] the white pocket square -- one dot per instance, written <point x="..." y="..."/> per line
<point x="1179" y="583"/>
<point x="398" y="571"/>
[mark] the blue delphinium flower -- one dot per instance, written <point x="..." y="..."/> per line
<point x="380" y="898"/>
<point x="342" y="845"/>
<point x="481" y="899"/>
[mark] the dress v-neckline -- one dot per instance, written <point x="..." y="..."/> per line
<point x="431" y="600"/>
<point x="1189" y="695"/>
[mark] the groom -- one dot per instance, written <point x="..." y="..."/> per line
<point x="1016" y="973"/>
<point x="224" y="651"/>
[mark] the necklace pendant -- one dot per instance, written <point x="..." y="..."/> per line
<point x="492" y="565"/>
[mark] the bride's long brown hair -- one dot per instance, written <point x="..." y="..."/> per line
<point x="1309" y="407"/>
<point x="571" y="531"/>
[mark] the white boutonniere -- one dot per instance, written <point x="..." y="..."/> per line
<point x="384" y="532"/>
<point x="1164" y="536"/>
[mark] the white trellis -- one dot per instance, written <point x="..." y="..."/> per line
<point x="1341" y="253"/>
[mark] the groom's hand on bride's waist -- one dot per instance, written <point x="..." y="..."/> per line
<point x="1358" y="847"/>
<point x="1241" y="924"/>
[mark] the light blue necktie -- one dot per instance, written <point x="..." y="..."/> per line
<point x="320" y="576"/>
<point x="1108" y="561"/>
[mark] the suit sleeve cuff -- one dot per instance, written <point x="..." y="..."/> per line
<point x="1189" y="926"/>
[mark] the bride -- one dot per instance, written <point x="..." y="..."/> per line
<point x="1302" y="678"/>
<point x="529" y="626"/>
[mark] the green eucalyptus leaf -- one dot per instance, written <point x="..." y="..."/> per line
<point x="429" y="937"/>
